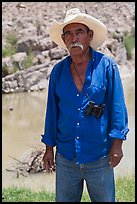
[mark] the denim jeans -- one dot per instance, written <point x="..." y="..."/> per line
<point x="98" y="176"/>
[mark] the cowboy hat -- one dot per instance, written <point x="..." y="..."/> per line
<point x="75" y="16"/>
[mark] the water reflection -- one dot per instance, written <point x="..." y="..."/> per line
<point x="23" y="118"/>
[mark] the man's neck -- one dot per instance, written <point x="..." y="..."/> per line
<point x="81" y="59"/>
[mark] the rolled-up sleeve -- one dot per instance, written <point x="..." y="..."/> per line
<point x="118" y="117"/>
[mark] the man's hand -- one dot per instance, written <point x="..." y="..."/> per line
<point x="116" y="153"/>
<point x="48" y="159"/>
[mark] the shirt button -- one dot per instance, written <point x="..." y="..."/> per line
<point x="77" y="137"/>
<point x="77" y="94"/>
<point x="77" y="123"/>
<point x="78" y="109"/>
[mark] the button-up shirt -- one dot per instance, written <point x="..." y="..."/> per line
<point x="76" y="135"/>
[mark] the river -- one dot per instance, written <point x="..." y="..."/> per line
<point x="23" y="116"/>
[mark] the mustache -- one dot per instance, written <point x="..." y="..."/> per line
<point x="76" y="44"/>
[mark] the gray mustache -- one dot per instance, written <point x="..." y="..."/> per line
<point x="77" y="44"/>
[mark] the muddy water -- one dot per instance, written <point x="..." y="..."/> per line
<point x="23" y="118"/>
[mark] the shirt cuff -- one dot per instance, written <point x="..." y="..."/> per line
<point x="119" y="134"/>
<point x="47" y="141"/>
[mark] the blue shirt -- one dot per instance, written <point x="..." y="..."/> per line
<point x="76" y="135"/>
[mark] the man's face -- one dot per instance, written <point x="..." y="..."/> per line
<point x="76" y="37"/>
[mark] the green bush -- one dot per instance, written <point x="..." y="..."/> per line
<point x="12" y="38"/>
<point x="28" y="62"/>
<point x="129" y="42"/>
<point x="11" y="47"/>
<point x="8" y="51"/>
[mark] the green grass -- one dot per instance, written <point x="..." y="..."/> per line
<point x="125" y="189"/>
<point x="125" y="192"/>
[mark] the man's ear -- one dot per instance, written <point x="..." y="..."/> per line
<point x="91" y="33"/>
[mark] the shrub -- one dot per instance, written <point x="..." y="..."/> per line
<point x="129" y="42"/>
<point x="11" y="46"/>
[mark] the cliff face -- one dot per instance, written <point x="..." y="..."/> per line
<point x="30" y="21"/>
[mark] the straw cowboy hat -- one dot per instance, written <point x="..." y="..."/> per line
<point x="75" y="16"/>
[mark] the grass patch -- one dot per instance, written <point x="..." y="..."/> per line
<point x="14" y="194"/>
<point x="125" y="189"/>
<point x="125" y="192"/>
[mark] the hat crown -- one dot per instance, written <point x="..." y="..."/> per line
<point x="71" y="13"/>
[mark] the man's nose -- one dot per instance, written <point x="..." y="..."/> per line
<point x="74" y="37"/>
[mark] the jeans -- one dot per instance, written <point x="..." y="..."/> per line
<point x="98" y="176"/>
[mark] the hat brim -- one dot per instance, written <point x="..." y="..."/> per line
<point x="99" y="29"/>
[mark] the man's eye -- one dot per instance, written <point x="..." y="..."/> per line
<point x="80" y="31"/>
<point x="67" y="33"/>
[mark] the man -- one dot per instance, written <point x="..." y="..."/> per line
<point x="86" y="117"/>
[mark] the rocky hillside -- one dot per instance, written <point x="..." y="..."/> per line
<point x="30" y="21"/>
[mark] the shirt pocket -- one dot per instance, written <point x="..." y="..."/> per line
<point x="97" y="93"/>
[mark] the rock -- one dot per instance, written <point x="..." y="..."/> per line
<point x="19" y="58"/>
